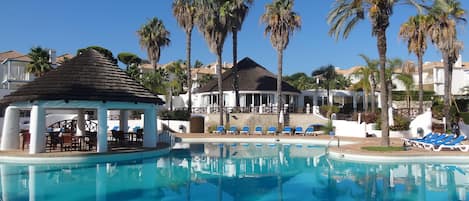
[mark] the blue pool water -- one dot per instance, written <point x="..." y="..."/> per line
<point x="237" y="172"/>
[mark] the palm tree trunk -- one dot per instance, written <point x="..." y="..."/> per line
<point x="235" y="67"/>
<point x="220" y="87"/>
<point x="381" y="41"/>
<point x="420" y="71"/>
<point x="447" y="88"/>
<point x="365" y="99"/>
<point x="373" y="100"/>
<point x="279" y="83"/>
<point x="189" y="75"/>
<point x="389" y="85"/>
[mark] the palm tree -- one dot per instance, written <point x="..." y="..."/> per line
<point x="236" y="11"/>
<point x="153" y="36"/>
<point x="343" y="17"/>
<point x="372" y="68"/>
<point x="281" y="22"/>
<point x="366" y="82"/>
<point x="301" y="81"/>
<point x="156" y="81"/>
<point x="327" y="77"/>
<point x="213" y="26"/>
<point x="408" y="82"/>
<point x="184" y="11"/>
<point x="414" y="31"/>
<point x="391" y="65"/>
<point x="40" y="61"/>
<point x="446" y="14"/>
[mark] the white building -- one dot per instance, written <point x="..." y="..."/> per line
<point x="257" y="90"/>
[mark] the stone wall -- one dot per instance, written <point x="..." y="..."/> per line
<point x="265" y="120"/>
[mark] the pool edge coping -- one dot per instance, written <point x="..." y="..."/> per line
<point x="83" y="158"/>
<point x="338" y="154"/>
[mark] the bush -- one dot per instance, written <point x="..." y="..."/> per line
<point x="401" y="123"/>
<point x="328" y="127"/>
<point x="327" y="110"/>
<point x="182" y="115"/>
<point x="369" y="117"/>
<point x="211" y="128"/>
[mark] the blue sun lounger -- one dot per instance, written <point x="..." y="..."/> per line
<point x="299" y="130"/>
<point x="309" y="131"/>
<point x="220" y="130"/>
<point x="244" y="130"/>
<point x="258" y="130"/>
<point x="272" y="130"/>
<point x="233" y="130"/>
<point x="448" y="144"/>
<point x="287" y="130"/>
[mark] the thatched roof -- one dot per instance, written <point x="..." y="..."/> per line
<point x="252" y="77"/>
<point x="89" y="76"/>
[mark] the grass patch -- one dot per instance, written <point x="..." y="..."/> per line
<point x="383" y="149"/>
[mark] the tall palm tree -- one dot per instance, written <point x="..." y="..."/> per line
<point x="153" y="36"/>
<point x="184" y="11"/>
<point x="236" y="11"/>
<point x="343" y="17"/>
<point x="213" y="26"/>
<point x="414" y="31"/>
<point x="446" y="14"/>
<point x="281" y="22"/>
<point x="40" y="61"/>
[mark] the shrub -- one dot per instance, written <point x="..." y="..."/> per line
<point x="401" y="123"/>
<point x="369" y="117"/>
<point x="328" y="127"/>
<point x="211" y="128"/>
<point x="327" y="110"/>
<point x="182" y="115"/>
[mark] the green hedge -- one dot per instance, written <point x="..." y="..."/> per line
<point x="401" y="95"/>
<point x="182" y="115"/>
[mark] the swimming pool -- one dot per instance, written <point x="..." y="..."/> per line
<point x="236" y="171"/>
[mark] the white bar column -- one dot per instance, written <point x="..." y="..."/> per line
<point x="149" y="128"/>
<point x="37" y="128"/>
<point x="124" y="120"/>
<point x="11" y="129"/>
<point x="81" y="123"/>
<point x="102" y="129"/>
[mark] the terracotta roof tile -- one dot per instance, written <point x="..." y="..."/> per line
<point x="14" y="55"/>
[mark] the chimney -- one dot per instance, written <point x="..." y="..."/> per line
<point x="52" y="58"/>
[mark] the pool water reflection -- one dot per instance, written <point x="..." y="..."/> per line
<point x="214" y="171"/>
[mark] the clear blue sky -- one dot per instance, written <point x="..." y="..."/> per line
<point x="69" y="25"/>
